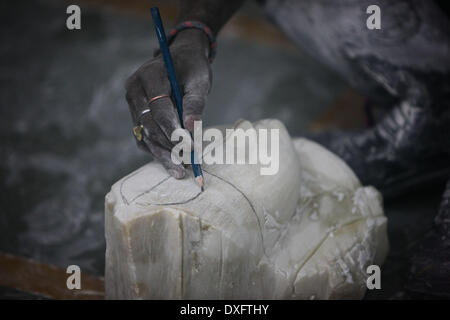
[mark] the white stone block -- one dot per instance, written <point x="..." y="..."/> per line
<point x="309" y="231"/>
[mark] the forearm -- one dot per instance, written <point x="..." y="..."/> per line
<point x="213" y="13"/>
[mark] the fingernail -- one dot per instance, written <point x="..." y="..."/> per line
<point x="189" y="122"/>
<point x="177" y="173"/>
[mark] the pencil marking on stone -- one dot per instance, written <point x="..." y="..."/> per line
<point x="151" y="189"/>
<point x="123" y="181"/>
<point x="249" y="202"/>
<point x="191" y="199"/>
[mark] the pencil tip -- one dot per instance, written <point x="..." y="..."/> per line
<point x="200" y="182"/>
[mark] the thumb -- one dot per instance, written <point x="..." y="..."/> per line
<point x="193" y="106"/>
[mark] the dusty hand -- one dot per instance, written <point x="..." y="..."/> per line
<point x="189" y="52"/>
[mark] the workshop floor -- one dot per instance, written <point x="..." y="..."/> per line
<point x="65" y="130"/>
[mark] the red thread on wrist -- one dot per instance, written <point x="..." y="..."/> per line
<point x="196" y="25"/>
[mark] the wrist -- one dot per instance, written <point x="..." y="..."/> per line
<point x="194" y="34"/>
<point x="192" y="38"/>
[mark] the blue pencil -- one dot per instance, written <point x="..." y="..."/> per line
<point x="176" y="92"/>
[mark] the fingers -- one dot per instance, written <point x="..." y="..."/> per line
<point x="135" y="96"/>
<point x="194" y="98"/>
<point x="153" y="78"/>
<point x="163" y="156"/>
<point x="136" y="100"/>
<point x="166" y="116"/>
<point x="196" y="78"/>
<point x="193" y="106"/>
<point x="155" y="83"/>
<point x="156" y="135"/>
<point x="160" y="147"/>
<point x="153" y="132"/>
<point x="149" y="81"/>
